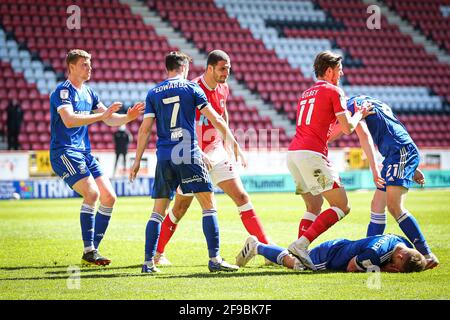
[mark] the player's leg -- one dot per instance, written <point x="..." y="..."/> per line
<point x="401" y="167"/>
<point x="378" y="217"/>
<point x="313" y="205"/>
<point x="211" y="231"/>
<point x="87" y="188"/>
<point x="170" y="223"/>
<point x="313" y="202"/>
<point x="72" y="167"/>
<point x="107" y="200"/>
<point x="235" y="190"/>
<point x="396" y="196"/>
<point x="273" y="253"/>
<point x="166" y="181"/>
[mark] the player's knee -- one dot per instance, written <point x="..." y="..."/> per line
<point x="92" y="196"/>
<point x="108" y="199"/>
<point x="395" y="209"/>
<point x="241" y="198"/>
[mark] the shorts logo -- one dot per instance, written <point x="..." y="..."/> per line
<point x="195" y="178"/>
<point x="64" y="94"/>
<point x="82" y="168"/>
<point x="322" y="179"/>
<point x="65" y="175"/>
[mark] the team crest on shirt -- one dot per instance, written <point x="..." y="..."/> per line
<point x="222" y="103"/>
<point x="64" y="94"/>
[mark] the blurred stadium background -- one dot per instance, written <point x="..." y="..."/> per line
<point x="402" y="58"/>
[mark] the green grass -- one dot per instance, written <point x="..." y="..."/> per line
<point x="40" y="239"/>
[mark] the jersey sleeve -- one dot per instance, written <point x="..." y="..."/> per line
<point x="379" y="252"/>
<point x="200" y="98"/>
<point x="149" y="107"/>
<point x="61" y="99"/>
<point x="338" y="101"/>
<point x="96" y="103"/>
<point x="351" y="106"/>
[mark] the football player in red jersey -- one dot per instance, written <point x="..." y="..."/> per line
<point x="314" y="175"/>
<point x="221" y="169"/>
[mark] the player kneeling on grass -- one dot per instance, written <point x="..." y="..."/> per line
<point x="389" y="253"/>
<point x="73" y="106"/>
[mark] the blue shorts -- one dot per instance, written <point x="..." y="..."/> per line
<point x="192" y="178"/>
<point x="332" y="255"/>
<point x="73" y="166"/>
<point x="400" y="165"/>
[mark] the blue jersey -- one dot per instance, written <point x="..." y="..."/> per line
<point x="369" y="252"/>
<point x="173" y="103"/>
<point x="82" y="102"/>
<point x="388" y="133"/>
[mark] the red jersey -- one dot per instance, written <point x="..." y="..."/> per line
<point x="208" y="136"/>
<point x="316" y="117"/>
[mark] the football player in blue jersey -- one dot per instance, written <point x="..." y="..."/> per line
<point x="172" y="104"/>
<point x="400" y="170"/>
<point x="73" y="106"/>
<point x="386" y="253"/>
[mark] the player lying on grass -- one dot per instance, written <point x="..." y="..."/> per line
<point x="386" y="253"/>
<point x="400" y="170"/>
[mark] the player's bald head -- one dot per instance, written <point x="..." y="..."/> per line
<point x="215" y="56"/>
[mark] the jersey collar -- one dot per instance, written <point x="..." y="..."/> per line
<point x="202" y="79"/>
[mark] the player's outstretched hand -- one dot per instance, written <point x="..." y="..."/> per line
<point x="419" y="177"/>
<point x="134" y="171"/>
<point x="111" y="110"/>
<point x="135" y="111"/>
<point x="366" y="109"/>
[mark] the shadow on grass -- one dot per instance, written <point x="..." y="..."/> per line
<point x="102" y="272"/>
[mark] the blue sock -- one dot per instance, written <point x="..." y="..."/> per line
<point x="211" y="232"/>
<point x="87" y="226"/>
<point x="272" y="252"/>
<point x="152" y="234"/>
<point x="411" y="229"/>
<point x="377" y="224"/>
<point x="101" y="224"/>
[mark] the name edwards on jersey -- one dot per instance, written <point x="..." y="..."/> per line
<point x="170" y="85"/>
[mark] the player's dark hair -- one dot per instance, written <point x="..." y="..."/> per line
<point x="75" y="54"/>
<point x="215" y="56"/>
<point x="325" y="60"/>
<point x="414" y="261"/>
<point x="176" y="59"/>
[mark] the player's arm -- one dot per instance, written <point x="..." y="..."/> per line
<point x="219" y="123"/>
<point x="144" y="133"/>
<point x="120" y="119"/>
<point x="225" y="117"/>
<point x="353" y="267"/>
<point x="336" y="133"/>
<point x="73" y="120"/>
<point x="349" y="123"/>
<point x="366" y="142"/>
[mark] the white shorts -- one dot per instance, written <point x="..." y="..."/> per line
<point x="222" y="168"/>
<point x="312" y="172"/>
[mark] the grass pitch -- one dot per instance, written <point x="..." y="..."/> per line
<point x="41" y="248"/>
